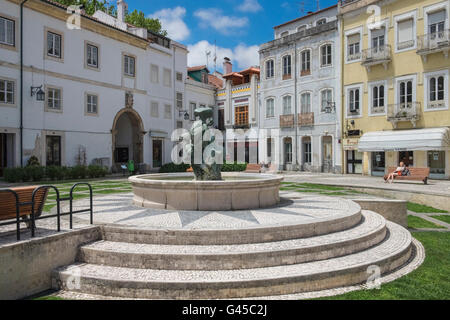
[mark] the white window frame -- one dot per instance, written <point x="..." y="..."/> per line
<point x="426" y="86"/>
<point x="310" y="93"/>
<point x="270" y="115"/>
<point x="321" y="57"/>
<point x="14" y="36"/>
<point x="383" y="24"/>
<point x="322" y="110"/>
<point x="167" y="77"/>
<point x="129" y="57"/>
<point x="322" y="21"/>
<point x="434" y="8"/>
<point x="47" y="97"/>
<point x="302" y="62"/>
<point x="90" y="104"/>
<point x="284" y="99"/>
<point x="371" y="107"/>
<point x="154" y="109"/>
<point x="47" y="55"/>
<point x="283" y="68"/>
<point x="154" y="70"/>
<point x="412" y="77"/>
<point x="6" y="91"/>
<point x="179" y="76"/>
<point x="349" y="33"/>
<point x="302" y="28"/>
<point x="272" y="75"/>
<point x="88" y="44"/>
<point x="406" y="16"/>
<point x="361" y="101"/>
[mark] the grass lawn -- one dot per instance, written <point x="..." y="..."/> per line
<point x="318" y="189"/>
<point x="420" y="208"/>
<point x="429" y="282"/>
<point x="445" y="219"/>
<point x="418" y="223"/>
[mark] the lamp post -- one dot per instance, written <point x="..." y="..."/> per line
<point x="40" y="94"/>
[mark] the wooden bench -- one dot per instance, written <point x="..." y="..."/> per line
<point x="253" y="168"/>
<point x="8" y="202"/>
<point x="417" y="174"/>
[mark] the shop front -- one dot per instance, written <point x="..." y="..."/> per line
<point x="353" y="158"/>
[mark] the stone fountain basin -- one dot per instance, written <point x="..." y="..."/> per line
<point x="179" y="191"/>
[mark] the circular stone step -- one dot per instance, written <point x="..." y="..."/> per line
<point x="348" y="270"/>
<point x="303" y="217"/>
<point x="214" y="257"/>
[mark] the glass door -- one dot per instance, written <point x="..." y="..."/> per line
<point x="378" y="163"/>
<point x="327" y="154"/>
<point x="53" y="150"/>
<point x="406" y="157"/>
<point x="157" y="153"/>
<point x="436" y="163"/>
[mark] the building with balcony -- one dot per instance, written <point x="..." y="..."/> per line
<point x="395" y="85"/>
<point x="300" y="106"/>
<point x="237" y="105"/>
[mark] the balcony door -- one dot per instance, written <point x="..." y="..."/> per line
<point x="378" y="40"/>
<point x="406" y="93"/>
<point x="436" y="24"/>
<point x="241" y="116"/>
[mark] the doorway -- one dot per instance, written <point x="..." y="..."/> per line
<point x="287" y="153"/>
<point x="327" y="154"/>
<point x="354" y="162"/>
<point x="407" y="157"/>
<point x="378" y="164"/>
<point x="128" y="136"/>
<point x="6" y="151"/>
<point x="436" y="163"/>
<point x="157" y="153"/>
<point x="53" y="144"/>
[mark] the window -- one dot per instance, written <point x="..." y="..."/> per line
<point x="287" y="67"/>
<point x="154" y="73"/>
<point x="405" y="34"/>
<point x="436" y="92"/>
<point x="192" y="107"/>
<point x="326" y="96"/>
<point x="91" y="56"/>
<point x="53" y="150"/>
<point x="7" y="32"/>
<point x="284" y="34"/>
<point x="436" y="23"/>
<point x="167" y="77"/>
<point x="354" y="101"/>
<point x="129" y="66"/>
<point x="168" y="111"/>
<point x="7" y="89"/>
<point x="270" y="108"/>
<point x="326" y="55"/>
<point x="269" y="147"/>
<point x="354" y="48"/>
<point x="270" y="72"/>
<point x="241" y="116"/>
<point x="307" y="151"/>
<point x="378" y="99"/>
<point x="406" y="92"/>
<point x="91" y="104"/>
<point x="321" y="22"/>
<point x="287" y="105"/>
<point x="54" y="100"/>
<point x="179" y="76"/>
<point x="306" y="62"/>
<point x="301" y="28"/>
<point x="54" y="45"/>
<point x="179" y="124"/>
<point x="154" y="112"/>
<point x="378" y="39"/>
<point x="288" y="150"/>
<point x="179" y="100"/>
<point x="305" y="103"/>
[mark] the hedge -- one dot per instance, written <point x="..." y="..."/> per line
<point x="39" y="173"/>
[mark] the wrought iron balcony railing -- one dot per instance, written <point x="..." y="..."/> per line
<point x="434" y="42"/>
<point x="306" y="119"/>
<point x="376" y="55"/>
<point x="287" y="121"/>
<point x="408" y="111"/>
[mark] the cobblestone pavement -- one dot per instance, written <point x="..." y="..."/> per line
<point x="441" y="187"/>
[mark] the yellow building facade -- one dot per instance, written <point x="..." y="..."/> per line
<point x="395" y="76"/>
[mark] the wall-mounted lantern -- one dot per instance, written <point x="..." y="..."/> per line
<point x="40" y="94"/>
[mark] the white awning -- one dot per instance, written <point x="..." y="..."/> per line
<point x="406" y="140"/>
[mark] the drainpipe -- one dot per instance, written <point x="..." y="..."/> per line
<point x="21" y="81"/>
<point x="297" y="166"/>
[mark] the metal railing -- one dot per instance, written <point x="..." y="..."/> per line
<point x="433" y="41"/>
<point x="404" y="111"/>
<point x="32" y="217"/>
<point x="287" y="121"/>
<point x="306" y="119"/>
<point x="380" y="53"/>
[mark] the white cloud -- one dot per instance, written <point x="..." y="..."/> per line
<point x="250" y="6"/>
<point x="224" y="24"/>
<point x="172" y="21"/>
<point x="242" y="56"/>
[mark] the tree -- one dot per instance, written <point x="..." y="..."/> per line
<point x="136" y="18"/>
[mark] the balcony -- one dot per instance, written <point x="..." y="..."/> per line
<point x="287" y="121"/>
<point x="244" y="126"/>
<point x="346" y="6"/>
<point x="433" y="43"/>
<point x="306" y="119"/>
<point x="401" y="112"/>
<point x="376" y="56"/>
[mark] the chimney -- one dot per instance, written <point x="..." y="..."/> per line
<point x="227" y="66"/>
<point x="122" y="8"/>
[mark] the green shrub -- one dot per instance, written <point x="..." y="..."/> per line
<point x="13" y="175"/>
<point x="95" y="171"/>
<point x="53" y="172"/>
<point x="33" y="162"/>
<point x="174" y="168"/>
<point x="234" y="167"/>
<point x="79" y="172"/>
<point x="37" y="173"/>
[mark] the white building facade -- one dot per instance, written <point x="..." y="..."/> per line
<point x="300" y="111"/>
<point x="112" y="92"/>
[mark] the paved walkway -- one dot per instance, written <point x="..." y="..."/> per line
<point x="441" y="187"/>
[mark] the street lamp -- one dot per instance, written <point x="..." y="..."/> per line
<point x="40" y="94"/>
<point x="331" y="107"/>
<point x="186" y="114"/>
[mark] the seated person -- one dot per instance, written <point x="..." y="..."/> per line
<point x="398" y="172"/>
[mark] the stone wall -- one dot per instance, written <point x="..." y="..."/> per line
<point x="392" y="210"/>
<point x="26" y="267"/>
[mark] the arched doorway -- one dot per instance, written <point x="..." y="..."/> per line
<point x="127" y="137"/>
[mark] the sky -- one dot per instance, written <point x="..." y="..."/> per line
<point x="237" y="27"/>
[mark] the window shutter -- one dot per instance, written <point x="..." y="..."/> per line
<point x="436" y="17"/>
<point x="354" y="38"/>
<point x="405" y="30"/>
<point x="10" y="32"/>
<point x="2" y="30"/>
